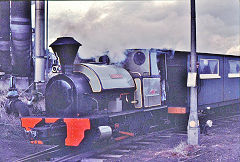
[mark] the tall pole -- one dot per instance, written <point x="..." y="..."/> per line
<point x="46" y="42"/>
<point x="39" y="42"/>
<point x="193" y="123"/>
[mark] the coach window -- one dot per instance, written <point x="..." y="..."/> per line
<point x="234" y="69"/>
<point x="209" y="69"/>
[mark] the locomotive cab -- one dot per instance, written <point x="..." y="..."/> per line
<point x="142" y="64"/>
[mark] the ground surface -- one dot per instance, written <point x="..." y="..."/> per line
<point x="12" y="143"/>
<point x="222" y="144"/>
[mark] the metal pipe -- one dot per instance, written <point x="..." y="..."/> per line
<point x="39" y="76"/>
<point x="47" y="26"/>
<point x="46" y="42"/>
<point x="193" y="122"/>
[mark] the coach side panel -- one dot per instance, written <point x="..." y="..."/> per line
<point x="219" y="80"/>
<point x="231" y="78"/>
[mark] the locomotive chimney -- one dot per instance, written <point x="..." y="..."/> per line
<point x="66" y="49"/>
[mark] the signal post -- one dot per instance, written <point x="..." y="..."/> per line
<point x="193" y="122"/>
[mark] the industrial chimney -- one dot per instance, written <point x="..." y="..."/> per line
<point x="66" y="50"/>
<point x="21" y="37"/>
<point x="5" y="61"/>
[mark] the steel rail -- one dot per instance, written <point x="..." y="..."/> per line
<point x="38" y="154"/>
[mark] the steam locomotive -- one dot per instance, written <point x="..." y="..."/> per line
<point x="94" y="101"/>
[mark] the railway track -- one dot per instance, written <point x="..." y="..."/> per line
<point x="114" y="150"/>
<point x="117" y="150"/>
<point x="104" y="151"/>
<point x="99" y="152"/>
<point x="44" y="155"/>
<point x="38" y="155"/>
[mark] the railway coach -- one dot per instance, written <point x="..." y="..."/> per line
<point x="218" y="81"/>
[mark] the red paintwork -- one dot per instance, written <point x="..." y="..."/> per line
<point x="75" y="130"/>
<point x="153" y="91"/>
<point x="51" y="120"/>
<point x="29" y="123"/>
<point x="36" y="142"/>
<point x="121" y="138"/>
<point x="116" y="76"/>
<point x="177" y="110"/>
<point x="116" y="125"/>
<point x="126" y="133"/>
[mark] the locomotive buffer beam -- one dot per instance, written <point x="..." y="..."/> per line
<point x="50" y="133"/>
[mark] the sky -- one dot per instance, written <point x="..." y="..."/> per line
<point x="114" y="26"/>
